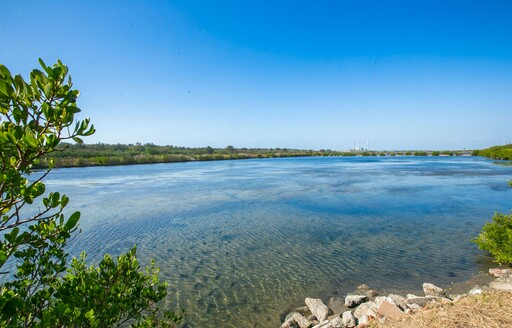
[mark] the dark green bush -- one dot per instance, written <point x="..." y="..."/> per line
<point x="496" y="237"/>
<point x="41" y="288"/>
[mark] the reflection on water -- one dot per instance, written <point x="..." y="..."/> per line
<point x="241" y="241"/>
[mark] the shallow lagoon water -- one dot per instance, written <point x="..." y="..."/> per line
<point x="241" y="241"/>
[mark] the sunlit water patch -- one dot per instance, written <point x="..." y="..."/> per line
<point x="241" y="241"/>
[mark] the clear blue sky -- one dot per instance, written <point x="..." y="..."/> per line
<point x="302" y="74"/>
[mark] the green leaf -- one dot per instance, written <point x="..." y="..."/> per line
<point x="4" y="72"/>
<point x="5" y="88"/>
<point x="48" y="90"/>
<point x="90" y="315"/>
<point x="72" y="221"/>
<point x="78" y="140"/>
<point x="11" y="237"/>
<point x="55" y="197"/>
<point x="64" y="201"/>
<point x="32" y="142"/>
<point x="46" y="68"/>
<point x="20" y="84"/>
<point x="3" y="256"/>
<point x="56" y="72"/>
<point x="13" y="160"/>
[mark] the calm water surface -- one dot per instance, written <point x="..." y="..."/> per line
<point x="242" y="241"/>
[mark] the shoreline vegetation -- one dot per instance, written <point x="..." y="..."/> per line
<point x="495" y="152"/>
<point x="81" y="155"/>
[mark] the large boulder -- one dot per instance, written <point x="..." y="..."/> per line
<point x="317" y="308"/>
<point x="432" y="290"/>
<point x="354" y="300"/>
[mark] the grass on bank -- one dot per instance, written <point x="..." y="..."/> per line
<point x="495" y="152"/>
<point x="489" y="309"/>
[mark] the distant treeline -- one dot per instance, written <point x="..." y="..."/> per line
<point x="119" y="154"/>
<point x="496" y="152"/>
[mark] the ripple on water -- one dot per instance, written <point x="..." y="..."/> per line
<point x="240" y="243"/>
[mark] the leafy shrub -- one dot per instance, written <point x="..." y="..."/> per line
<point x="496" y="237"/>
<point x="42" y="289"/>
<point x="497" y="152"/>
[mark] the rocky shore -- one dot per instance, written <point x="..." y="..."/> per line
<point x="365" y="305"/>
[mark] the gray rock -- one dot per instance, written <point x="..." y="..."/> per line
<point x="290" y="323"/>
<point x="361" y="310"/>
<point x="348" y="319"/>
<point x="317" y="308"/>
<point x="432" y="290"/>
<point x="504" y="282"/>
<point x="335" y="323"/>
<point x="337" y="305"/>
<point x="399" y="300"/>
<point x="322" y="324"/>
<point x="354" y="300"/>
<point x="364" y="320"/>
<point x="297" y="320"/>
<point x="304" y="310"/>
<point x="457" y="298"/>
<point x="420" y="301"/>
<point x="475" y="291"/>
<point x="378" y="300"/>
<point x="289" y="315"/>
<point x="365" y="309"/>
<point x="499" y="285"/>
<point x="497" y="272"/>
<point x="388" y="308"/>
<point x="371" y="294"/>
<point x="413" y="307"/>
<point x="332" y="317"/>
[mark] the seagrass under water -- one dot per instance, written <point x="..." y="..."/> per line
<point x="242" y="241"/>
